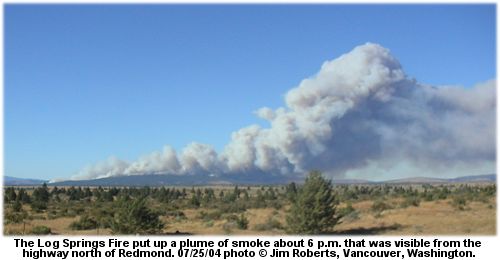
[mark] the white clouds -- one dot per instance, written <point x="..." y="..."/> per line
<point x="359" y="111"/>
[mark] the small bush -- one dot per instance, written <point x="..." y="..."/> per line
<point x="410" y="201"/>
<point x="459" y="202"/>
<point x="84" y="223"/>
<point x="346" y="210"/>
<point x="349" y="213"/>
<point x="270" y="224"/>
<point x="135" y="217"/>
<point x="40" y="230"/>
<point x="242" y="222"/>
<point x="38" y="206"/>
<point x="379" y="206"/>
<point x="17" y="206"/>
<point x="177" y="214"/>
<point x="429" y="197"/>
<point x="229" y="226"/>
<point x="209" y="223"/>
<point x="52" y="214"/>
<point x="213" y="215"/>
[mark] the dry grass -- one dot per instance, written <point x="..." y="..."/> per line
<point x="430" y="218"/>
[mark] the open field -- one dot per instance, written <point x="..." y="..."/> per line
<point x="450" y="209"/>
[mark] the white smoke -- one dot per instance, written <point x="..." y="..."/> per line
<point x="360" y="113"/>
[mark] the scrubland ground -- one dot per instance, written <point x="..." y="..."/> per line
<point x="456" y="209"/>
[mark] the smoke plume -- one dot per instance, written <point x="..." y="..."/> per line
<point x="360" y="114"/>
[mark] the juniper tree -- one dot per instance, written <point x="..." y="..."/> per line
<point x="134" y="217"/>
<point x="314" y="208"/>
<point x="40" y="198"/>
<point x="9" y="195"/>
<point x="23" y="196"/>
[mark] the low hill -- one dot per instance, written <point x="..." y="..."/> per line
<point x="463" y="179"/>
<point x="181" y="180"/>
<point x="14" y="181"/>
<point x="249" y="179"/>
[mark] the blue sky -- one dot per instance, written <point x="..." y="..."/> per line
<point x="83" y="83"/>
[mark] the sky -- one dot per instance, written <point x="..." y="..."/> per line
<point x="86" y="82"/>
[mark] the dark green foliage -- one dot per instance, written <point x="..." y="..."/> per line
<point x="179" y="215"/>
<point x="236" y="192"/>
<point x="314" y="210"/>
<point x="107" y="196"/>
<point x="410" y="201"/>
<point x="246" y="197"/>
<point x="134" y="217"/>
<point x="23" y="196"/>
<point x="17" y="206"/>
<point x="348" y="212"/>
<point x="242" y="222"/>
<point x="40" y="198"/>
<point x="40" y="230"/>
<point x="41" y="194"/>
<point x="15" y="216"/>
<point x="291" y="191"/>
<point x="270" y="194"/>
<point x="84" y="223"/>
<point x="380" y="205"/>
<point x="9" y="194"/>
<point x="459" y="202"/>
<point x="55" y="191"/>
<point x="74" y="194"/>
<point x="234" y="221"/>
<point x="104" y="207"/>
<point x="38" y="205"/>
<point x="196" y="200"/>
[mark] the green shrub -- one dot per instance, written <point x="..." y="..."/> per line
<point x="380" y="205"/>
<point x="38" y="206"/>
<point x="212" y="215"/>
<point x="15" y="217"/>
<point x="40" y="230"/>
<point x="459" y="202"/>
<point x="270" y="224"/>
<point x="179" y="215"/>
<point x="346" y="210"/>
<point x="348" y="213"/>
<point x="410" y="201"/>
<point x="84" y="223"/>
<point x="17" y="206"/>
<point x="134" y="217"/>
<point x="242" y="222"/>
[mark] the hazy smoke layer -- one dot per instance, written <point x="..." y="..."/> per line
<point x="358" y="113"/>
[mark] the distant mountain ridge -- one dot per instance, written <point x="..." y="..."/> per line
<point x="463" y="179"/>
<point x="236" y="179"/>
<point x="182" y="180"/>
<point x="249" y="179"/>
<point x="14" y="181"/>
